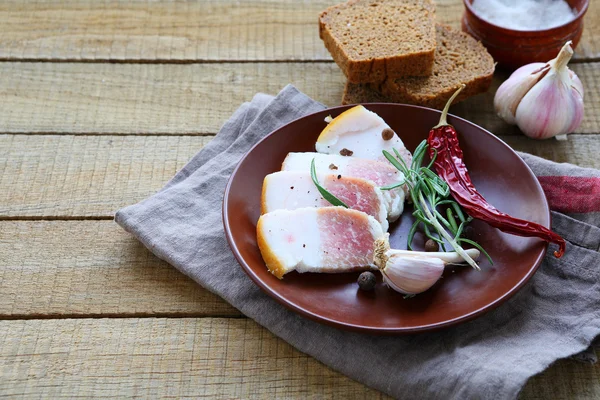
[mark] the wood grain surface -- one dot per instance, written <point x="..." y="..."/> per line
<point x="191" y="357"/>
<point x="56" y="176"/>
<point x="193" y="99"/>
<point x="101" y="102"/>
<point x="188" y="31"/>
<point x="89" y="176"/>
<point x="71" y="269"/>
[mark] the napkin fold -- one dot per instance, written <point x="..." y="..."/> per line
<point x="556" y="315"/>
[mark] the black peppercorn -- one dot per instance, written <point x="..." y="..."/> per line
<point x="431" y="245"/>
<point x="367" y="281"/>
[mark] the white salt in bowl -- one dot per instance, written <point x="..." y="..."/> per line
<point x="513" y="48"/>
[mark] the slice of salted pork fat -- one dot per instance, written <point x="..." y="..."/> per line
<point x="289" y="190"/>
<point x="328" y="239"/>
<point x="361" y="133"/>
<point x="380" y="173"/>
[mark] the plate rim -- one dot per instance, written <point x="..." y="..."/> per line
<point x="369" y="329"/>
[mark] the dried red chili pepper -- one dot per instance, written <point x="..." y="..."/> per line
<point x="450" y="166"/>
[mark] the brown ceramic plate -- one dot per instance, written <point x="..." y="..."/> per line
<point x="462" y="294"/>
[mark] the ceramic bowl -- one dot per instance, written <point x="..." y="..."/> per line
<point x="514" y="48"/>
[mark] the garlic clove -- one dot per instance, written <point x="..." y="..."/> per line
<point x="412" y="275"/>
<point x="552" y="107"/>
<point x="448" y="257"/>
<point x="577" y="109"/>
<point x="576" y="83"/>
<point x="511" y="92"/>
<point x="544" y="100"/>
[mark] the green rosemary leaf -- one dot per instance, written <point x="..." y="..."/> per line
<point x="418" y="155"/>
<point x="442" y="220"/>
<point x="446" y="202"/>
<point x="478" y="246"/>
<point x="460" y="229"/>
<point x="430" y="236"/>
<point x="411" y="234"/>
<point x="424" y="186"/>
<point x="433" y="183"/>
<point x="394" y="162"/>
<point x="459" y="212"/>
<point x="435" y="152"/>
<point x="393" y="186"/>
<point x="452" y="220"/>
<point x="327" y="195"/>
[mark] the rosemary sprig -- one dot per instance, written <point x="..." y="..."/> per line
<point x="392" y="186"/>
<point x="327" y="195"/>
<point x="428" y="193"/>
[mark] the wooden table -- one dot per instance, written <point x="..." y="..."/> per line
<point x="100" y="104"/>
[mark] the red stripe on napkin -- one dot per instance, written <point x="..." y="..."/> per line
<point x="570" y="194"/>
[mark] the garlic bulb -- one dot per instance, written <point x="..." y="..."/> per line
<point x="412" y="272"/>
<point x="542" y="99"/>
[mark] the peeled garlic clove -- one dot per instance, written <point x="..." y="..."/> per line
<point x="412" y="275"/>
<point x="509" y="94"/>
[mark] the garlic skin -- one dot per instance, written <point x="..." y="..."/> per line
<point x="413" y="272"/>
<point x="509" y="94"/>
<point x="412" y="275"/>
<point x="542" y="99"/>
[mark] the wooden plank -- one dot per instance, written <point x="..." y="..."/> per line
<point x="93" y="176"/>
<point x="186" y="31"/>
<point x="91" y="268"/>
<point x="156" y="358"/>
<point x="82" y="176"/>
<point x="200" y="358"/>
<point x="146" y="98"/>
<point x="192" y="99"/>
<point x="161" y="30"/>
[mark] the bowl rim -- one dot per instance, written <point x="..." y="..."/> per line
<point x="541" y="32"/>
<point x="367" y="329"/>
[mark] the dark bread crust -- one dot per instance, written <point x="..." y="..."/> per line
<point x="372" y="40"/>
<point x="460" y="60"/>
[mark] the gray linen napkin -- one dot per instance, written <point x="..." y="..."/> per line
<point x="556" y="315"/>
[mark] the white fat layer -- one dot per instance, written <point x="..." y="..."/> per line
<point x="383" y="209"/>
<point x="396" y="205"/>
<point x="394" y="199"/>
<point x="302" y="162"/>
<point x="294" y="237"/>
<point x="361" y="133"/>
<point x="290" y="190"/>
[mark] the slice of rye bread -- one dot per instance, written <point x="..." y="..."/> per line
<point x="459" y="59"/>
<point x="372" y="40"/>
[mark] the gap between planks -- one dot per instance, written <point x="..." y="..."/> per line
<point x="201" y="61"/>
<point x="185" y="62"/>
<point x="15" y="317"/>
